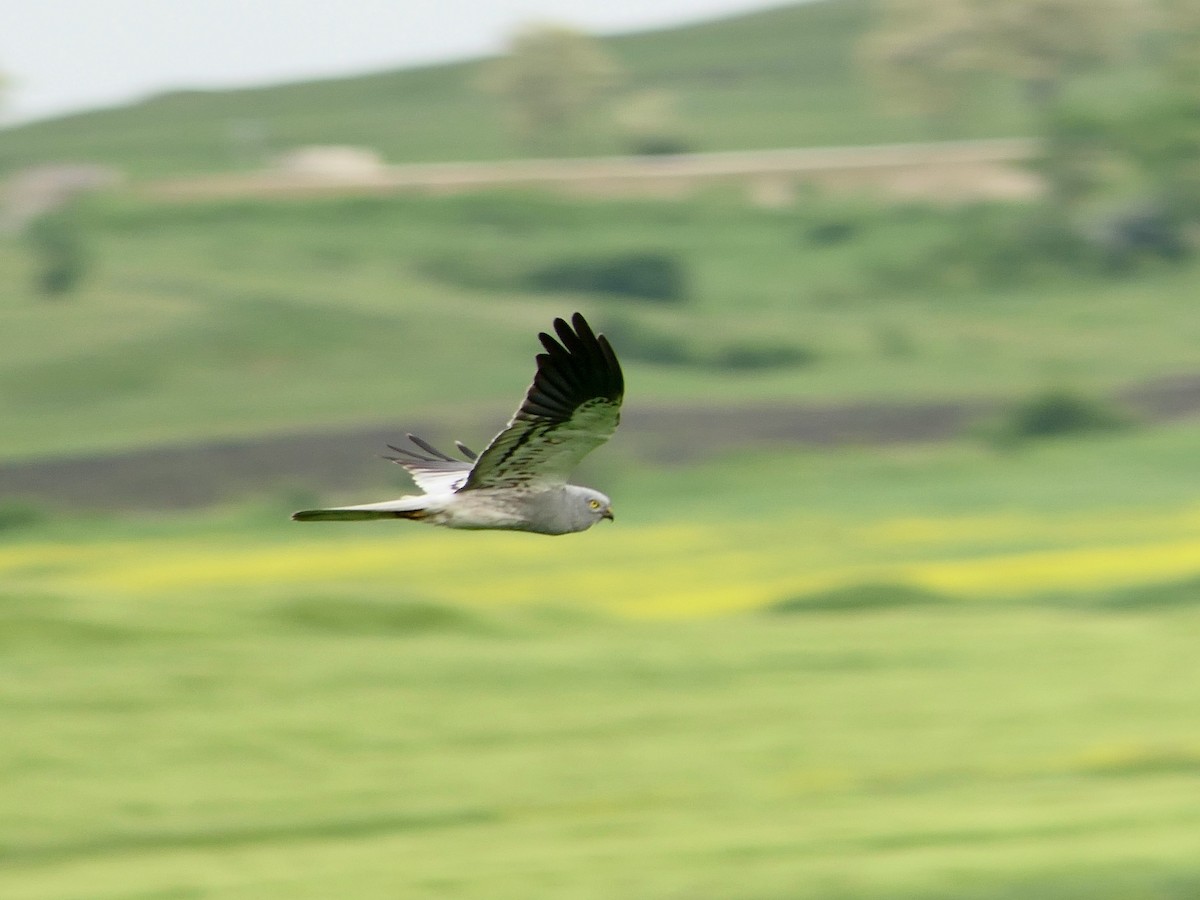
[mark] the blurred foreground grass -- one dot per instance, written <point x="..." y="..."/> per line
<point x="965" y="752"/>
<point x="938" y="672"/>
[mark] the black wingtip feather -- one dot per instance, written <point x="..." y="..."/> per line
<point x="578" y="366"/>
<point x="430" y="449"/>
<point x="434" y="455"/>
<point x="574" y="343"/>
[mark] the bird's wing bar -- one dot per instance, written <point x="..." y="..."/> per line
<point x="433" y="471"/>
<point x="572" y="407"/>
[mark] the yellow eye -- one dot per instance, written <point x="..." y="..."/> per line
<point x="594" y="504"/>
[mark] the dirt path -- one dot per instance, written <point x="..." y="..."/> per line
<point x="176" y="477"/>
<point x="947" y="170"/>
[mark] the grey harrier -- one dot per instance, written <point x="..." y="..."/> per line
<point x="519" y="482"/>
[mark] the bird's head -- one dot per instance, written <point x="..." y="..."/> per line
<point x="596" y="506"/>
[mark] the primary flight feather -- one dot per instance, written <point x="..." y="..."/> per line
<point x="519" y="481"/>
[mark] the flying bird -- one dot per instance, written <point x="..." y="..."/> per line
<point x="519" y="481"/>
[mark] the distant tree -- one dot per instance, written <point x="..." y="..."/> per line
<point x="551" y="78"/>
<point x="60" y="256"/>
<point x="917" y="52"/>
<point x="1180" y="25"/>
<point x="650" y="124"/>
<point x="1161" y="134"/>
<point x="925" y="53"/>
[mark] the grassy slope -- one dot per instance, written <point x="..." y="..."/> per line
<point x="237" y="318"/>
<point x="783" y="77"/>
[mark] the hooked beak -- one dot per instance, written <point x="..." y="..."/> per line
<point x="607" y="514"/>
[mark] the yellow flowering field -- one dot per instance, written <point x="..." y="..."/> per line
<point x="655" y="570"/>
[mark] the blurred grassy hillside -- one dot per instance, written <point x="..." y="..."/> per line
<point x="226" y="319"/>
<point x="781" y="78"/>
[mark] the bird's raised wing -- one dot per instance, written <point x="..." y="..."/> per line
<point x="572" y="407"/>
<point x="432" y="470"/>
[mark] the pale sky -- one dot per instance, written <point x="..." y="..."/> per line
<point x="62" y="56"/>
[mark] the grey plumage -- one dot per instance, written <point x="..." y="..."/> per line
<point x="519" y="481"/>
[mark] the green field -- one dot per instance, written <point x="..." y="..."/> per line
<point x="884" y="674"/>
<point x="981" y="752"/>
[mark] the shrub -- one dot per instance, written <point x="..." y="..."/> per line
<point x="637" y="342"/>
<point x="633" y="342"/>
<point x="659" y="145"/>
<point x="644" y="275"/>
<point x="748" y="356"/>
<point x="828" y="221"/>
<point x="510" y="211"/>
<point x="980" y="246"/>
<point x="350" y="616"/>
<point x="831" y="231"/>
<point x="18" y="516"/>
<point x="60" y="256"/>
<point x="859" y="598"/>
<point x="894" y="341"/>
<point x="1170" y="595"/>
<point x="477" y="272"/>
<point x="1140" y="232"/>
<point x="1053" y="413"/>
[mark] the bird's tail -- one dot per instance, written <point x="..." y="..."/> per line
<point x="404" y="508"/>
